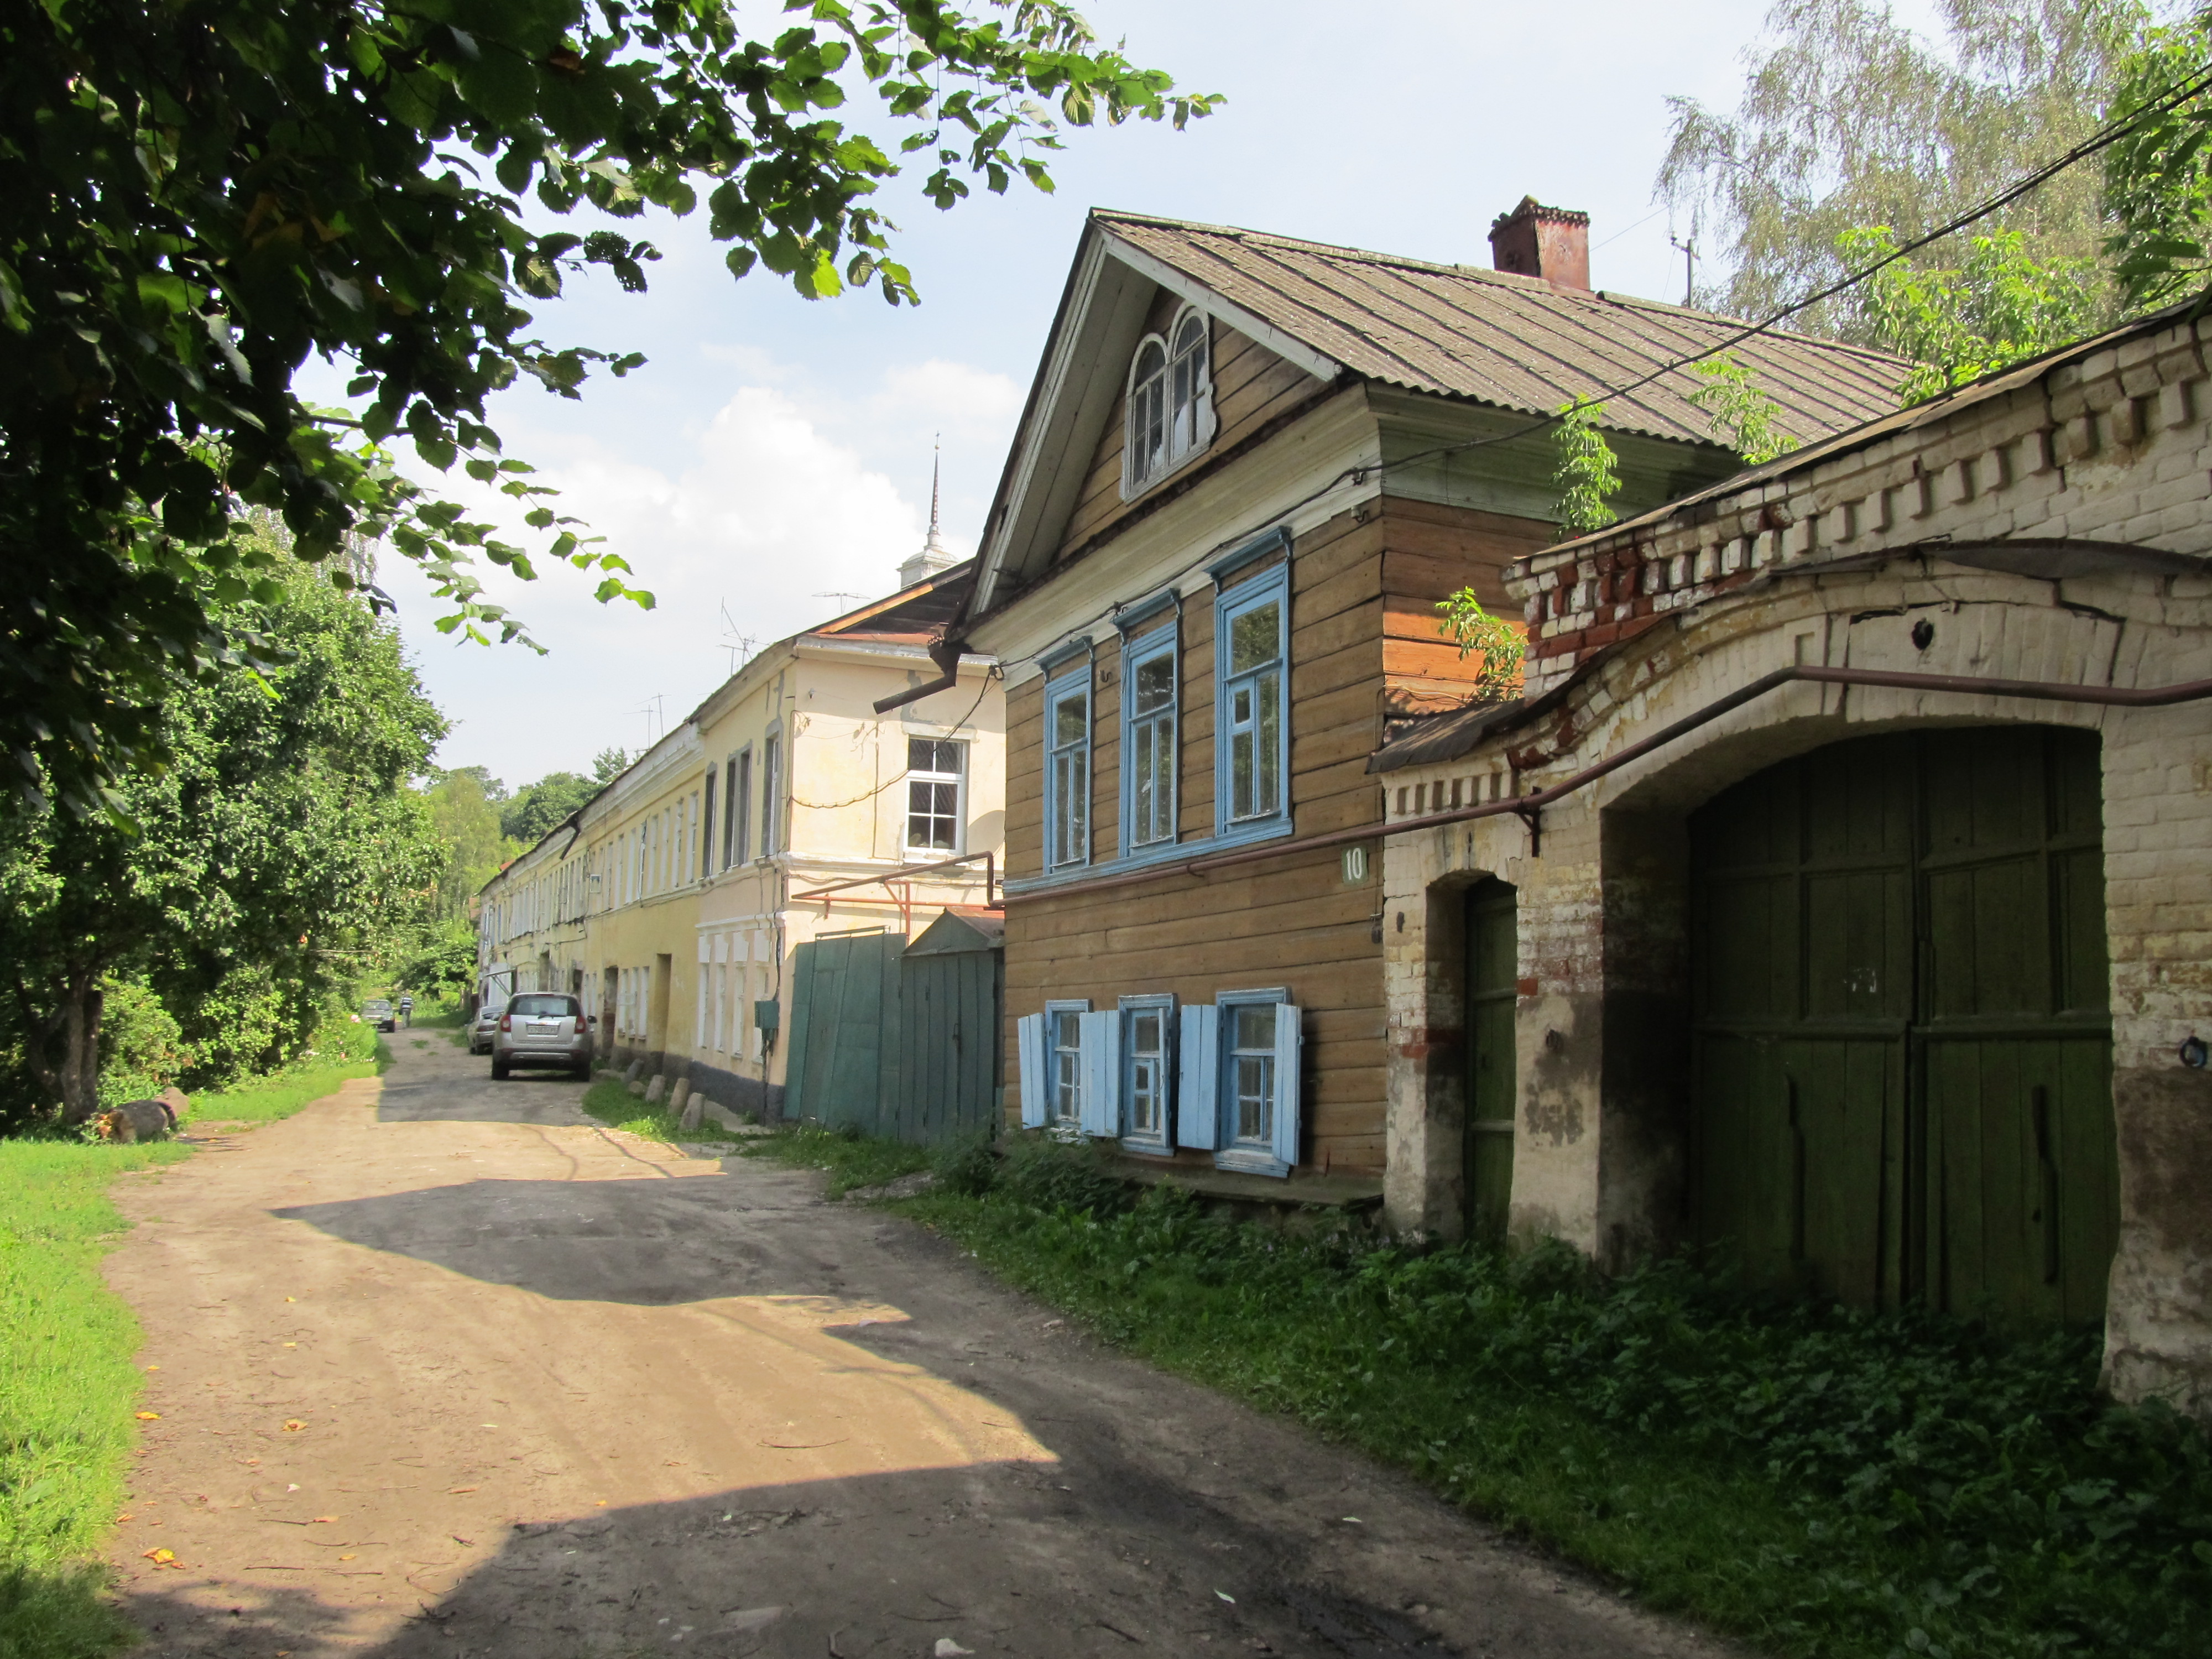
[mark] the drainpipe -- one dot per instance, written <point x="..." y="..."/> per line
<point x="945" y="653"/>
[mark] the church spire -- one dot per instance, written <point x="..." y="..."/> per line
<point x="934" y="555"/>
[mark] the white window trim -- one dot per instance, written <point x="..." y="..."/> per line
<point x="1054" y="1123"/>
<point x="958" y="780"/>
<point x="1203" y="421"/>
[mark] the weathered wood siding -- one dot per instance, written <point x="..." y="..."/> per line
<point x="1362" y="589"/>
<point x="1251" y="387"/>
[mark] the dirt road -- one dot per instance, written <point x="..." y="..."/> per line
<point x="444" y="1368"/>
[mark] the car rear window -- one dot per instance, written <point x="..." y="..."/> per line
<point x="541" y="1007"/>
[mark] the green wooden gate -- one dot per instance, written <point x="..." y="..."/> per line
<point x="1492" y="961"/>
<point x="1902" y="1046"/>
<point x="897" y="1042"/>
<point x="949" y="1033"/>
<point x="844" y="1029"/>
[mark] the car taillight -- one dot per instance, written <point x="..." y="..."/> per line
<point x="506" y="1021"/>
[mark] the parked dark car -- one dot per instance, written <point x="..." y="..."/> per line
<point x="542" y="1027"/>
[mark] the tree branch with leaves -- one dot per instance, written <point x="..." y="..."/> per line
<point x="196" y="197"/>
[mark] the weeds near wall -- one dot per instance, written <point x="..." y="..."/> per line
<point x="1821" y="1480"/>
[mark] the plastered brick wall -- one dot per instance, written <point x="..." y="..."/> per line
<point x="2111" y="448"/>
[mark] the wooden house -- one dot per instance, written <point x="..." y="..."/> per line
<point x="1249" y="469"/>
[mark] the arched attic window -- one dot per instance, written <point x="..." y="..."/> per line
<point x="1170" y="402"/>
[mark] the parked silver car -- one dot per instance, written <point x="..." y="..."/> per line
<point x="542" y="1028"/>
<point x="487" y="1025"/>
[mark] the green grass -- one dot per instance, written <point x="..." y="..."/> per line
<point x="609" y="1100"/>
<point x="344" y="1052"/>
<point x="68" y="1385"/>
<point x="1816" y="1480"/>
<point x="849" y="1160"/>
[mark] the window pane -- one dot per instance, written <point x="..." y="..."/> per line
<point x="921" y="753"/>
<point x="1070" y="720"/>
<point x="1256" y="1027"/>
<point x="1191" y="334"/>
<point x="1267" y="794"/>
<point x="1155" y="683"/>
<point x="1254" y="1109"/>
<point x="1141" y="743"/>
<point x="1151" y="360"/>
<point x="1242" y="783"/>
<point x="1254" y="637"/>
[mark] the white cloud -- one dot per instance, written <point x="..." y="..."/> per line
<point x="766" y="514"/>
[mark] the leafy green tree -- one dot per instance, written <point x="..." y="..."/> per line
<point x="278" y="856"/>
<point x="1848" y="119"/>
<point x="607" y="765"/>
<point x="1744" y="416"/>
<point x="1588" y="473"/>
<point x="1999" y="305"/>
<point x="197" y="195"/>
<point x="538" y="807"/>
<point x="2158" y="178"/>
<point x="465" y="810"/>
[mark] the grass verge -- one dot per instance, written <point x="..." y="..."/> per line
<point x="849" y="1160"/>
<point x="67" y="1385"/>
<point x="609" y="1100"/>
<point x="1817" y="1480"/>
<point x="345" y="1052"/>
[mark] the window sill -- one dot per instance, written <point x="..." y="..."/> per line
<point x="1159" y="854"/>
<point x="1252" y="1161"/>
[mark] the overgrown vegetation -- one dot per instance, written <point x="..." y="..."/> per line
<point x="1586" y="473"/>
<point x="67" y="1385"/>
<point x="1501" y="645"/>
<point x="1816" y="1479"/>
<point x="281" y="859"/>
<point x="341" y="1052"/>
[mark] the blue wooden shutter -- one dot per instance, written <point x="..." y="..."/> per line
<point x="1198" y="1106"/>
<point x="1029" y="1028"/>
<point x="1101" y="1109"/>
<point x="1287" y="1044"/>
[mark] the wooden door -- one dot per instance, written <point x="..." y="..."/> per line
<point x="1901" y="1044"/>
<point x="949" y="1029"/>
<point x="1492" y="1084"/>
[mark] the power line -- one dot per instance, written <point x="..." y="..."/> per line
<point x="2102" y="139"/>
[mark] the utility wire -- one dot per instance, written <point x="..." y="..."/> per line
<point x="2104" y="138"/>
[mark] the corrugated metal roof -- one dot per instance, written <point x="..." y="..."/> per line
<point x="1517" y="342"/>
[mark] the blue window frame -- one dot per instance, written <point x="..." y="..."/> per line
<point x="1067" y="770"/>
<point x="1252" y="728"/>
<point x="1149" y="747"/>
<point x="1147" y="1062"/>
<point x="1256" y="1081"/>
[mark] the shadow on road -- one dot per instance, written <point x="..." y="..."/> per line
<point x="653" y="1243"/>
<point x="881" y="1566"/>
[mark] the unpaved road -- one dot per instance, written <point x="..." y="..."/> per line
<point x="445" y="1369"/>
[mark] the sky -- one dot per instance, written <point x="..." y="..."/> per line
<point x="772" y="459"/>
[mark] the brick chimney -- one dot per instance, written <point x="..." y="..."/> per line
<point x="1534" y="240"/>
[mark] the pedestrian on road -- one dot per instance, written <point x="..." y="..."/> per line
<point x="407" y="1011"/>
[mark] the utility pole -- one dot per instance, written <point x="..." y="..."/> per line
<point x="1688" y="248"/>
